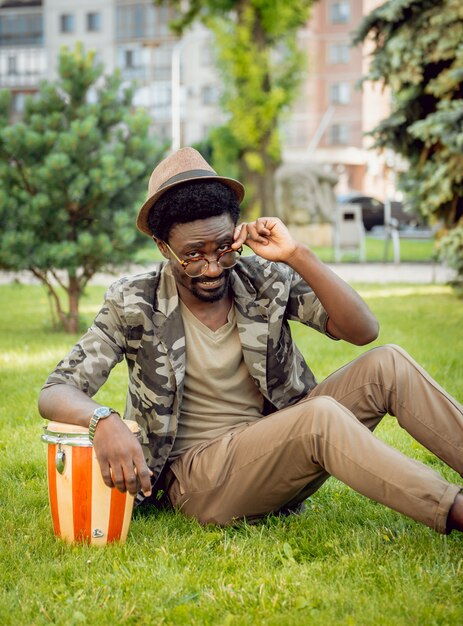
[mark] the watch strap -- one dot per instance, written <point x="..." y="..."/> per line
<point x="94" y="422"/>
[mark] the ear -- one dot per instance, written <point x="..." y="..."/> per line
<point x="162" y="247"/>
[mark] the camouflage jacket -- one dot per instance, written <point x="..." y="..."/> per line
<point x="141" y="322"/>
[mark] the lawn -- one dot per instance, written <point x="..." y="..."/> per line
<point x="411" y="250"/>
<point x="346" y="560"/>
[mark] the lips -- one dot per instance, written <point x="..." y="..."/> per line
<point x="211" y="284"/>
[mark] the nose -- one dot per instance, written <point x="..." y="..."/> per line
<point x="214" y="269"/>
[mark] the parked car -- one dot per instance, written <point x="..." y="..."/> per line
<point x="373" y="210"/>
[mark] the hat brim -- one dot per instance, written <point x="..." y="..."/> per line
<point x="142" y="219"/>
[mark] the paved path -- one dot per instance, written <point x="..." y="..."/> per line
<point x="423" y="273"/>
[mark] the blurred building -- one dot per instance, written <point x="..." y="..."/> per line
<point x="178" y="84"/>
<point x="132" y="35"/>
<point x="332" y="115"/>
<point x="23" y="60"/>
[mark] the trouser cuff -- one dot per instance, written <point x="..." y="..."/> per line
<point x="443" y="509"/>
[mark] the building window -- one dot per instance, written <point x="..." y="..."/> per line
<point x="93" y="22"/>
<point x="339" y="134"/>
<point x="142" y="19"/>
<point x="207" y="57"/>
<point x="294" y="133"/>
<point x="164" y="17"/>
<point x="340" y="12"/>
<point x="18" y="101"/>
<point x="134" y="66"/>
<point x="12" y="67"/>
<point x="162" y="96"/>
<point x="340" y="93"/>
<point x="210" y="94"/>
<point x="128" y="59"/>
<point x="132" y="58"/>
<point x="21" y="29"/>
<point x="67" y="23"/>
<point x="338" y="53"/>
<point x="162" y="57"/>
<point x="97" y="59"/>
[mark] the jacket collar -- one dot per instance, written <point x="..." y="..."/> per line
<point x="166" y="301"/>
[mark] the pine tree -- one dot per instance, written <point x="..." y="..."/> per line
<point x="72" y="174"/>
<point x="418" y="55"/>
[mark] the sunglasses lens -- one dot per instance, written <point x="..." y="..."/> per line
<point x="228" y="259"/>
<point x="196" y="268"/>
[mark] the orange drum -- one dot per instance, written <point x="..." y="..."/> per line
<point x="83" y="508"/>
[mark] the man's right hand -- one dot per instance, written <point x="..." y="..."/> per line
<point x="120" y="456"/>
<point x="118" y="451"/>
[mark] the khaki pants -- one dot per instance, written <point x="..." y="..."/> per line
<point x="261" y="467"/>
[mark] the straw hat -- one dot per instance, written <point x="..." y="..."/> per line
<point x="184" y="165"/>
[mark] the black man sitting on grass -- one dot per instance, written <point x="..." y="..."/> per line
<point x="234" y="423"/>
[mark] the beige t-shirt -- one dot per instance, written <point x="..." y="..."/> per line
<point x="219" y="392"/>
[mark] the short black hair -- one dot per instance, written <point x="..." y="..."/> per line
<point x="194" y="200"/>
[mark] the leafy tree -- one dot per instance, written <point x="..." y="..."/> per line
<point x="418" y="54"/>
<point x="261" y="65"/>
<point x="72" y="173"/>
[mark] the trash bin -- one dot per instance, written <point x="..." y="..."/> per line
<point x="349" y="231"/>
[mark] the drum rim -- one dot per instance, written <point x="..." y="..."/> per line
<point x="78" y="439"/>
<point x="67" y="439"/>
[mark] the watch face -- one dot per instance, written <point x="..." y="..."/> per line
<point x="102" y="411"/>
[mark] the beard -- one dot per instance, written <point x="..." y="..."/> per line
<point x="214" y="294"/>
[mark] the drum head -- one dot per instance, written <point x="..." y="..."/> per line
<point x="61" y="427"/>
<point x="70" y="434"/>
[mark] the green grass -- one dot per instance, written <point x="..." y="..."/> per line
<point x="411" y="250"/>
<point x="345" y="561"/>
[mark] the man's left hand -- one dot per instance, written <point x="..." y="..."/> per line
<point x="267" y="237"/>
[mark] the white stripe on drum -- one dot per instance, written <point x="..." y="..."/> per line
<point x="101" y="502"/>
<point x="64" y="497"/>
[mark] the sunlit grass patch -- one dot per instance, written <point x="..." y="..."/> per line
<point x="346" y="560"/>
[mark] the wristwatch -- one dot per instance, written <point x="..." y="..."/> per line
<point x="99" y="414"/>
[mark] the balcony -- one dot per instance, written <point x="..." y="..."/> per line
<point x="22" y="68"/>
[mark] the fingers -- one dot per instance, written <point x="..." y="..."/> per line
<point x="128" y="477"/>
<point x="121" y="460"/>
<point x="131" y="480"/>
<point x="239" y="235"/>
<point x="258" y="231"/>
<point x="119" y="479"/>
<point x="143" y="475"/>
<point x="106" y="474"/>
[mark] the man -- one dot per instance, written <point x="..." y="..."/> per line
<point x="234" y="423"/>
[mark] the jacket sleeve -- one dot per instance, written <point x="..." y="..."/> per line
<point x="304" y="306"/>
<point x="88" y="364"/>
